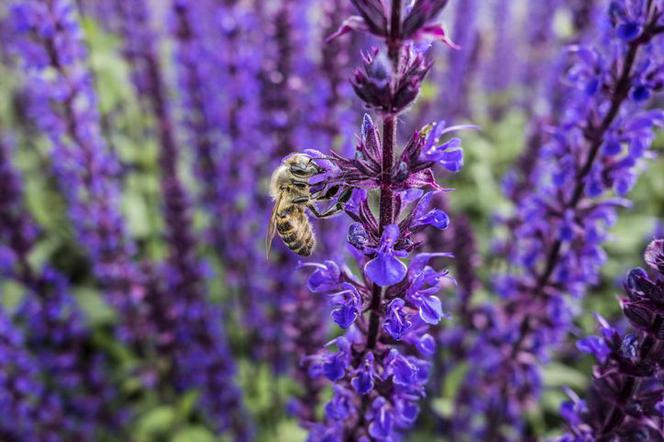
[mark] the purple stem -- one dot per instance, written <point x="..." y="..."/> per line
<point x="386" y="215"/>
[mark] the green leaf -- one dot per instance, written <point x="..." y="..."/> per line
<point x="186" y="404"/>
<point x="454" y="379"/>
<point x="158" y="421"/>
<point x="289" y="430"/>
<point x="137" y="214"/>
<point x="11" y="295"/>
<point x="443" y="406"/>
<point x="258" y="384"/>
<point x="559" y="375"/>
<point x="94" y="306"/>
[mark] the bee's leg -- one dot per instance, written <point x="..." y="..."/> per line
<point x="320" y="196"/>
<point x="338" y="207"/>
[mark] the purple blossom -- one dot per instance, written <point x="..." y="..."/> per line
<point x="363" y="382"/>
<point x="397" y="321"/>
<point x="386" y="269"/>
<point x="595" y="346"/>
<point x="565" y="216"/>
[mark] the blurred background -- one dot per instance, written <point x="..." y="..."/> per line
<point x="187" y="108"/>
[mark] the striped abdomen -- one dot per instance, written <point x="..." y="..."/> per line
<point x="295" y="230"/>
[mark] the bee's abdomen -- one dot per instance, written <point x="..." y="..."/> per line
<point x="295" y="230"/>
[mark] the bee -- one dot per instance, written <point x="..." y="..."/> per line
<point x="292" y="196"/>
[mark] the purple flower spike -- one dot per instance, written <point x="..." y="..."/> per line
<point x="591" y="157"/>
<point x="382" y="371"/>
<point x="386" y="269"/>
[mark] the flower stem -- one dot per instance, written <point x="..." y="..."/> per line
<point x="386" y="215"/>
<point x="394" y="43"/>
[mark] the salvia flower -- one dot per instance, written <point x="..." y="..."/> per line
<point x="55" y="331"/>
<point x="386" y="269"/>
<point x="499" y="69"/>
<point x="625" y="397"/>
<point x="380" y="366"/>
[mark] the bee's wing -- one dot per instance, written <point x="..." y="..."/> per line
<point x="272" y="227"/>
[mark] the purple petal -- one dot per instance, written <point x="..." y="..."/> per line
<point x="436" y="218"/>
<point x="344" y="315"/>
<point x="431" y="310"/>
<point x="390" y="234"/>
<point x="385" y="270"/>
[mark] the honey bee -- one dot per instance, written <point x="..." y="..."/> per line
<point x="291" y="192"/>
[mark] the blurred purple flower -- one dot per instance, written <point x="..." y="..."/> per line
<point x="564" y="219"/>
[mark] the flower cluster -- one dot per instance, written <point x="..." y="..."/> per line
<point x="75" y="385"/>
<point x="588" y="164"/>
<point x="64" y="106"/>
<point x="626" y="398"/>
<point x="20" y="389"/>
<point x="380" y="365"/>
<point x="201" y="359"/>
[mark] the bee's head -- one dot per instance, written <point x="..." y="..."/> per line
<point x="302" y="165"/>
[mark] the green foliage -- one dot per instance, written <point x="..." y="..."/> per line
<point x="97" y="311"/>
